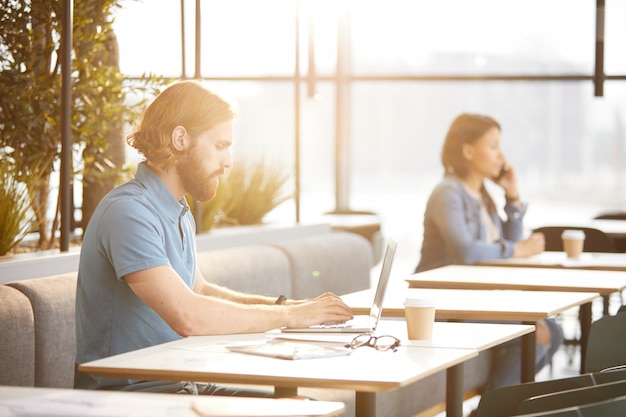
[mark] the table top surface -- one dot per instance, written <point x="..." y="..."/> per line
<point x="520" y="278"/>
<point x="479" y="336"/>
<point x="549" y="259"/>
<point x="205" y="358"/>
<point x="466" y="304"/>
<point x="73" y="402"/>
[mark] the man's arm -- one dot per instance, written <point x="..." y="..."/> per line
<point x="189" y="313"/>
<point x="201" y="286"/>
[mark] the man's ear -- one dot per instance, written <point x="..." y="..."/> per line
<point x="468" y="151"/>
<point x="179" y="138"/>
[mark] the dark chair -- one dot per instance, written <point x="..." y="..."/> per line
<point x="611" y="215"/>
<point x="607" y="343"/>
<point x="610" y="408"/>
<point x="503" y="402"/>
<point x="595" y="240"/>
<point x="572" y="398"/>
<point x="620" y="243"/>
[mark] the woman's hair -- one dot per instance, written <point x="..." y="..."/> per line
<point x="466" y="128"/>
<point x="185" y="103"/>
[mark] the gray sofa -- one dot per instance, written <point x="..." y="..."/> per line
<point x="37" y="314"/>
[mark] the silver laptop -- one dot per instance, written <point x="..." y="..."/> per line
<point x="362" y="323"/>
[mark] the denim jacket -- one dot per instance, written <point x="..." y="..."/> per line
<point x="455" y="234"/>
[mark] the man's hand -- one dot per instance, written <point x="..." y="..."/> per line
<point x="323" y="308"/>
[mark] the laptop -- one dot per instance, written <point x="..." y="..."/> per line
<point x="361" y="323"/>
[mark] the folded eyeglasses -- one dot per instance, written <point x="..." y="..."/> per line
<point x="381" y="343"/>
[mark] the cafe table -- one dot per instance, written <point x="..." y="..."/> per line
<point x="521" y="278"/>
<point x="605" y="284"/>
<point x="613" y="228"/>
<point x="602" y="273"/>
<point x="455" y="335"/>
<point x="557" y="259"/>
<point x="36" y="401"/>
<point x="512" y="306"/>
<point x="206" y="358"/>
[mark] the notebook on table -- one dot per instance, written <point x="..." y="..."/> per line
<point x="360" y="323"/>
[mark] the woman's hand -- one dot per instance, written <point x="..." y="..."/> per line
<point x="534" y="245"/>
<point x="508" y="181"/>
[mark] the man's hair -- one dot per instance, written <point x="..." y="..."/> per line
<point x="466" y="128"/>
<point x="186" y="103"/>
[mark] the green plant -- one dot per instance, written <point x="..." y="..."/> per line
<point x="30" y="108"/>
<point x="246" y="194"/>
<point x="16" y="216"/>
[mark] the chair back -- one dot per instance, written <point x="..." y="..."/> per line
<point x="595" y="240"/>
<point x="611" y="215"/>
<point x="609" y="408"/>
<point x="606" y="346"/>
<point x="503" y="402"/>
<point x="572" y="398"/>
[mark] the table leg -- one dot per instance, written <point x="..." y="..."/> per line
<point x="283" y="392"/>
<point x="454" y="391"/>
<point x="605" y="304"/>
<point x="529" y="348"/>
<point x="585" y="327"/>
<point x="365" y="404"/>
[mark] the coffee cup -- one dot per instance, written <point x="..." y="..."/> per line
<point x="573" y="243"/>
<point x="420" y="316"/>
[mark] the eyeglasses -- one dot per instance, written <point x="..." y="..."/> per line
<point x="381" y="343"/>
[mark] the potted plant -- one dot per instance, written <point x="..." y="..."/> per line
<point x="245" y="195"/>
<point x="30" y="101"/>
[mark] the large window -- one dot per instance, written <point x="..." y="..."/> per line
<point x="405" y="69"/>
<point x="473" y="37"/>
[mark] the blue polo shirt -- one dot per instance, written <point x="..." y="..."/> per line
<point x="138" y="225"/>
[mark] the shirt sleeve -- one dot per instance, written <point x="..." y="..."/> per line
<point x="131" y="237"/>
<point x="458" y="229"/>
<point x="513" y="227"/>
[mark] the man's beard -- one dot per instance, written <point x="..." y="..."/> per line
<point x="201" y="185"/>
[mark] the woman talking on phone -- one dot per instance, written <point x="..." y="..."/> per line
<point x="462" y="224"/>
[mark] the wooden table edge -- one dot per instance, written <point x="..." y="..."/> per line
<point x="276" y="381"/>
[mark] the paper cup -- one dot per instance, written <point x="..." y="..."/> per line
<point x="573" y="243"/>
<point x="420" y="316"/>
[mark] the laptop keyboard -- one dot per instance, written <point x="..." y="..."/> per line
<point x="332" y="324"/>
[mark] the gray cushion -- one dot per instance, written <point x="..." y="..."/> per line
<point x="53" y="299"/>
<point x="338" y="262"/>
<point x="17" y="350"/>
<point x="257" y="269"/>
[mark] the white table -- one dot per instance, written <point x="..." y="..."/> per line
<point x="595" y="261"/>
<point x="557" y="259"/>
<point x="510" y="277"/>
<point x="455" y="335"/>
<point x="601" y="272"/>
<point x="83" y="403"/>
<point x="486" y="305"/>
<point x="205" y="358"/>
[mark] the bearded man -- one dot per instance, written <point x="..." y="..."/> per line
<point x="138" y="283"/>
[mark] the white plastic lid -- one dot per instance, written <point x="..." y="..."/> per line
<point x="419" y="302"/>
<point x="573" y="234"/>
